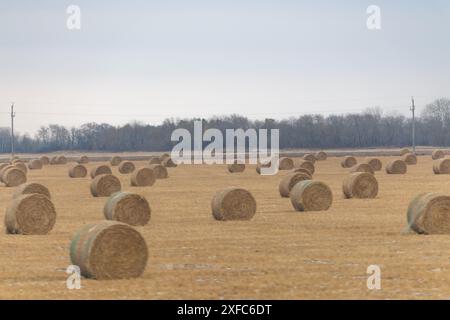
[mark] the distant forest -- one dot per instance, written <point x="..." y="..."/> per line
<point x="371" y="128"/>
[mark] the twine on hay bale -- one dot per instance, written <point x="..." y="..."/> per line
<point x="13" y="177"/>
<point x="437" y="154"/>
<point x="236" y="167"/>
<point x="115" y="161"/>
<point x="128" y="208"/>
<point x="410" y="159"/>
<point x="404" y="151"/>
<point x="159" y="171"/>
<point x="168" y="163"/>
<point x="375" y="163"/>
<point x="100" y="169"/>
<point x="441" y="166"/>
<point x="309" y="157"/>
<point x="360" y="185"/>
<point x="154" y="160"/>
<point x="303" y="171"/>
<point x="311" y="195"/>
<point x="30" y="188"/>
<point x="285" y="164"/>
<point x="126" y="167"/>
<point x="233" y="204"/>
<point x="396" y="166"/>
<point x="429" y="213"/>
<point x="143" y="177"/>
<point x="78" y="171"/>
<point x="21" y="166"/>
<point x="308" y="165"/>
<point x="362" y="167"/>
<point x="105" y="185"/>
<point x="289" y="181"/>
<point x="83" y="160"/>
<point x="348" y="162"/>
<point x="35" y="164"/>
<point x="30" y="214"/>
<point x="109" y="250"/>
<point x="45" y="160"/>
<point x="321" y="156"/>
<point x="61" y="160"/>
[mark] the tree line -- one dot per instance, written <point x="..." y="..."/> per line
<point x="371" y="128"/>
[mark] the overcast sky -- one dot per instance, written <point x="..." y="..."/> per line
<point x="149" y="60"/>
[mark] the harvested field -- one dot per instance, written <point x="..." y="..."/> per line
<point x="279" y="254"/>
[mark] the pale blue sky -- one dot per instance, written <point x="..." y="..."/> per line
<point x="149" y="60"/>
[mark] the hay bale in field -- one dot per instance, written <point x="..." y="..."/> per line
<point x="362" y="167"/>
<point x="13" y="176"/>
<point x="429" y="213"/>
<point x="437" y="154"/>
<point x="410" y="159"/>
<point x="168" y="163"/>
<point x="308" y="165"/>
<point x="32" y="214"/>
<point x="289" y="181"/>
<point x="126" y="167"/>
<point x="115" y="161"/>
<point x="285" y="164"/>
<point x="21" y="166"/>
<point x="105" y="185"/>
<point x="83" y="160"/>
<point x="154" y="160"/>
<point x="61" y="160"/>
<point x="35" y="164"/>
<point x="404" y="151"/>
<point x="78" y="171"/>
<point x="3" y="168"/>
<point x="236" y="167"/>
<point x="309" y="157"/>
<point x="109" y="250"/>
<point x="143" y="177"/>
<point x="54" y="160"/>
<point x="311" y="195"/>
<point x="159" y="171"/>
<point x="361" y="185"/>
<point x="233" y="204"/>
<point x="100" y="169"/>
<point x="30" y="188"/>
<point x="396" y="166"/>
<point x="348" y="162"/>
<point x="375" y="163"/>
<point x="321" y="156"/>
<point x="4" y="165"/>
<point x="303" y="171"/>
<point x="45" y="160"/>
<point x="441" y="166"/>
<point x="128" y="208"/>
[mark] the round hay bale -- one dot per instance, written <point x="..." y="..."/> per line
<point x="348" y="162"/>
<point x="404" y="151"/>
<point x="116" y="160"/>
<point x="4" y="165"/>
<point x="429" y="213"/>
<point x="311" y="195"/>
<point x="410" y="159"/>
<point x="126" y="167"/>
<point x="4" y="168"/>
<point x="45" y="160"/>
<point x="289" y="181"/>
<point x="308" y="165"/>
<point x="321" y="156"/>
<point x="30" y="188"/>
<point x="155" y="160"/>
<point x="83" y="160"/>
<point x="309" y="157"/>
<point x="236" y="167"/>
<point x="35" y="164"/>
<point x="375" y="163"/>
<point x="13" y="177"/>
<point x="168" y="163"/>
<point x="285" y="164"/>
<point x="128" y="208"/>
<point x="360" y="185"/>
<point x="54" y="160"/>
<point x="100" y="169"/>
<point x="105" y="185"/>
<point x="159" y="171"/>
<point x="109" y="250"/>
<point x="143" y="177"/>
<point x="61" y="160"/>
<point x="78" y="171"/>
<point x="30" y="214"/>
<point x="441" y="166"/>
<point x="303" y="171"/>
<point x="437" y="154"/>
<point x="233" y="204"/>
<point x="362" y="167"/>
<point x="396" y="167"/>
<point x="21" y="166"/>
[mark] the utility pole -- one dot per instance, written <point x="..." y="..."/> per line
<point x="413" y="109"/>
<point x="13" y="114"/>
